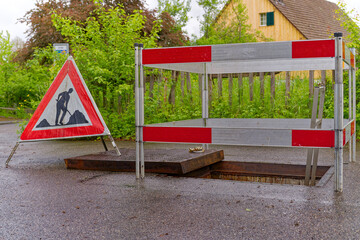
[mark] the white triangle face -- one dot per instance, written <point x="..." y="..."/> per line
<point x="64" y="110"/>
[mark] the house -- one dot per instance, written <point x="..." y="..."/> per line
<point x="286" y="20"/>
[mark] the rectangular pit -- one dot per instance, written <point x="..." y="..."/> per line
<point x="260" y="172"/>
<point x="209" y="164"/>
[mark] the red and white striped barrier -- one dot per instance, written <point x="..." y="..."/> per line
<point x="329" y="54"/>
<point x="250" y="51"/>
<point x="247" y="136"/>
<point x="248" y="57"/>
<point x="348" y="56"/>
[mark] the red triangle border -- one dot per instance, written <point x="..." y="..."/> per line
<point x="98" y="126"/>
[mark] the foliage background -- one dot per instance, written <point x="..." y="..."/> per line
<point x="102" y="43"/>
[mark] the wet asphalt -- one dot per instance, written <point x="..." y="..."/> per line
<point x="41" y="199"/>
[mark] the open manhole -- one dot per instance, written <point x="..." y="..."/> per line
<point x="260" y="172"/>
<point x="209" y="164"/>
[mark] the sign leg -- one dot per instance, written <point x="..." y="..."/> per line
<point x="114" y="145"/>
<point x="103" y="142"/>
<point x="11" y="154"/>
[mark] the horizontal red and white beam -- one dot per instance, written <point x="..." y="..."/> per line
<point x="244" y="136"/>
<point x="244" y="51"/>
<point x="348" y="131"/>
<point x="348" y="56"/>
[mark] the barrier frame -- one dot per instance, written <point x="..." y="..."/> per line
<point x="329" y="54"/>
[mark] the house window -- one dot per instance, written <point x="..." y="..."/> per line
<point x="262" y="19"/>
<point x="267" y="19"/>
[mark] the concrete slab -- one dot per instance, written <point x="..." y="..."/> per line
<point x="172" y="161"/>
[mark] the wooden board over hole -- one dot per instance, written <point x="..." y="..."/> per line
<point x="171" y="161"/>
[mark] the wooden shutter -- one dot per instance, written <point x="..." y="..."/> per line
<point x="270" y="19"/>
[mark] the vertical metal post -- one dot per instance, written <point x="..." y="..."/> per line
<point x="205" y="95"/>
<point x="350" y="110"/>
<point x="203" y="108"/>
<point x="205" y="98"/>
<point x="137" y="123"/>
<point x="354" y="106"/>
<point x="338" y="113"/>
<point x="141" y="115"/>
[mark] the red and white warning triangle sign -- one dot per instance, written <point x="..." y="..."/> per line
<point x="67" y="109"/>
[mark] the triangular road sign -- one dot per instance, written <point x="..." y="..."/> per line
<point x="67" y="109"/>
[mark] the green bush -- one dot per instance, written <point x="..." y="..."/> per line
<point x="103" y="50"/>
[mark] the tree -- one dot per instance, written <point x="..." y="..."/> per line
<point x="18" y="43"/>
<point x="23" y="86"/>
<point x="104" y="45"/>
<point x="5" y="48"/>
<point x="103" y="48"/>
<point x="6" y="55"/>
<point x="177" y="12"/>
<point x="41" y="31"/>
<point x="178" y="9"/>
<point x="350" y="22"/>
<point x="174" y="16"/>
<point x="211" y="10"/>
<point x="169" y="34"/>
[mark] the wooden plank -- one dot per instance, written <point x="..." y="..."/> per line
<point x="188" y="83"/>
<point x="311" y="83"/>
<point x="272" y="86"/>
<point x="265" y="169"/>
<point x="261" y="78"/>
<point x="172" y="97"/>
<point x="182" y="84"/>
<point x="323" y="78"/>
<point x="199" y="173"/>
<point x="230" y="89"/>
<point x="210" y="89"/>
<point x="220" y="91"/>
<point x="240" y="86"/>
<point x="251" y="86"/>
<point x="151" y="87"/>
<point x="200" y="85"/>
<point x="171" y="161"/>
<point x="287" y="87"/>
<point x="159" y="80"/>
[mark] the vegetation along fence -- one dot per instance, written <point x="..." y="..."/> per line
<point x="252" y="95"/>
